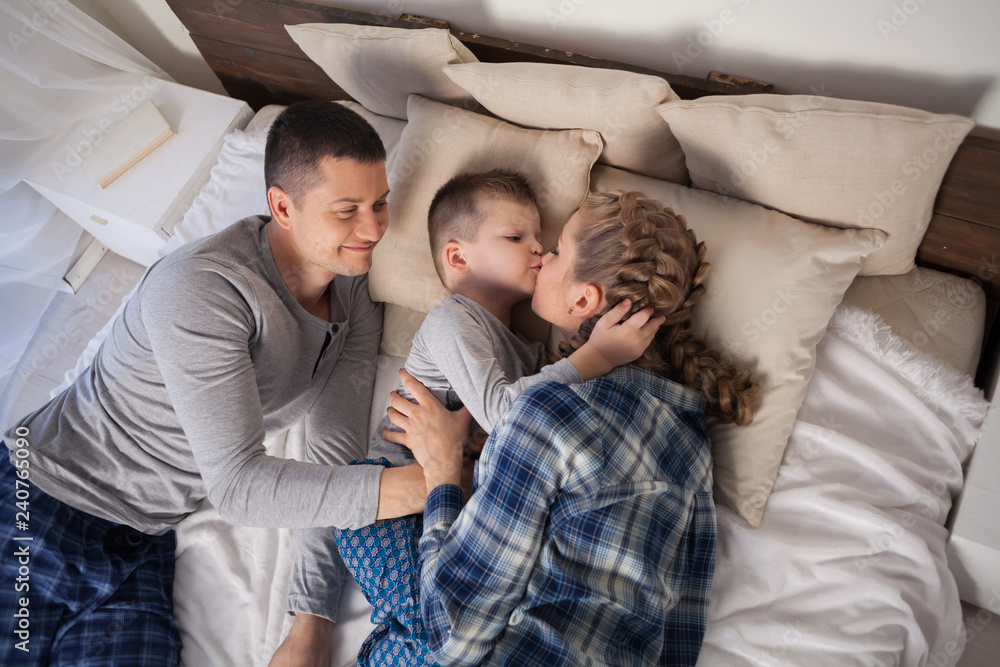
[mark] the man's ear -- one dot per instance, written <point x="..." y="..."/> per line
<point x="588" y="300"/>
<point x="454" y="257"/>
<point x="282" y="207"/>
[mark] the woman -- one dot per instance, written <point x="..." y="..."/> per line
<point x="590" y="538"/>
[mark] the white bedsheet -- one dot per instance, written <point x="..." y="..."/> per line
<point x="847" y="568"/>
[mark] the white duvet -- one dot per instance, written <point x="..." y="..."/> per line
<point x="847" y="567"/>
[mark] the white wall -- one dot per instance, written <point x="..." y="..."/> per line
<point x="938" y="55"/>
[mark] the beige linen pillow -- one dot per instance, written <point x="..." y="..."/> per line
<point x="837" y="162"/>
<point x="620" y="105"/>
<point x="380" y="66"/>
<point x="440" y="141"/>
<point x="774" y="285"/>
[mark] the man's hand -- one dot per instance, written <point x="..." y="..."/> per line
<point x="615" y="342"/>
<point x="434" y="434"/>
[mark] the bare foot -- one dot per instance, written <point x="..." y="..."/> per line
<point x="307" y="643"/>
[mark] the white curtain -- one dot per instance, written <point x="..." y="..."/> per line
<point x="58" y="66"/>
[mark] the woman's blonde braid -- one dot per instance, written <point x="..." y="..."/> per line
<point x="635" y="248"/>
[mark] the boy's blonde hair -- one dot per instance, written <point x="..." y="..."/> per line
<point x="456" y="211"/>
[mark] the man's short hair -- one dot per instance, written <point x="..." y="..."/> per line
<point x="456" y="211"/>
<point x="307" y="132"/>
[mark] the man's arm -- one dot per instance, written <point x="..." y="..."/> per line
<point x="336" y="433"/>
<point x="337" y="425"/>
<point x="200" y="325"/>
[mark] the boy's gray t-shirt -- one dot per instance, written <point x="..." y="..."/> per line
<point x="211" y="352"/>
<point x="466" y="356"/>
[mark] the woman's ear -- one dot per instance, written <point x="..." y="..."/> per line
<point x="588" y="300"/>
<point x="454" y="257"/>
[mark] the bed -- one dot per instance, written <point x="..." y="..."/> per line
<point x="833" y="513"/>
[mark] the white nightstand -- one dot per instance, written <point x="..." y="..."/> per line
<point x="135" y="215"/>
<point x="974" y="542"/>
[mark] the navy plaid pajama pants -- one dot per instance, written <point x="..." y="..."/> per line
<point x="79" y="590"/>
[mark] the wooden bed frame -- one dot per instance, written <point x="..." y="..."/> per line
<point x="246" y="45"/>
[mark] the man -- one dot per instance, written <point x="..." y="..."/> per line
<point x="227" y="338"/>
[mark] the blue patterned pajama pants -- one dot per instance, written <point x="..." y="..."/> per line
<point x="384" y="559"/>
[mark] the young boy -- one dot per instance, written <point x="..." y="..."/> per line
<point x="485" y="238"/>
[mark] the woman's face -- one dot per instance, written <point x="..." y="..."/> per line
<point x="554" y="289"/>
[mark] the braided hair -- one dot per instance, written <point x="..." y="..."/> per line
<point x="634" y="248"/>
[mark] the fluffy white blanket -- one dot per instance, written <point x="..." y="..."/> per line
<point x="847" y="567"/>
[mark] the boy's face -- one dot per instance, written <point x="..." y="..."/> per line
<point x="507" y="253"/>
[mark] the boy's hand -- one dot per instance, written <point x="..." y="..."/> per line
<point x="433" y="433"/>
<point x="615" y="342"/>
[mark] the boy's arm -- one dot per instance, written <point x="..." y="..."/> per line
<point x="462" y="350"/>
<point x="459" y="348"/>
<point x="615" y="342"/>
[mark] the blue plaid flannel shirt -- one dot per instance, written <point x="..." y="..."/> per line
<point x="590" y="538"/>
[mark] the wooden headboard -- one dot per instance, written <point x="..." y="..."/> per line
<point x="245" y="43"/>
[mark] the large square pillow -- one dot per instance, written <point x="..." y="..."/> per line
<point x="380" y="66"/>
<point x="837" y="162"/>
<point x="774" y="284"/>
<point x="441" y="141"/>
<point x="620" y="105"/>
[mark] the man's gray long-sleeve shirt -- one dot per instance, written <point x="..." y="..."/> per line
<point x="210" y="353"/>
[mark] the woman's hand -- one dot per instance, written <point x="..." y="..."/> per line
<point x="615" y="342"/>
<point x="433" y="433"/>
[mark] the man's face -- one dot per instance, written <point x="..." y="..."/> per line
<point x="337" y="223"/>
